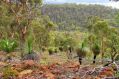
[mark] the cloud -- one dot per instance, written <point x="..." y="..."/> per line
<point x="112" y="4"/>
<point x="100" y="2"/>
<point x="55" y="1"/>
<point x="75" y="1"/>
<point x="109" y="4"/>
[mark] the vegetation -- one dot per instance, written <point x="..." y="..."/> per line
<point x="52" y="50"/>
<point x="30" y="45"/>
<point x="96" y="51"/>
<point x="81" y="52"/>
<point x="47" y="39"/>
<point x="8" y="45"/>
<point x="73" y="17"/>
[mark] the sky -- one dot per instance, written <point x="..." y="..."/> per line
<point x="101" y="2"/>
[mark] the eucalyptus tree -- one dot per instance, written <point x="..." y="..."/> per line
<point x="42" y="29"/>
<point x="90" y="23"/>
<point x="17" y="16"/>
<point x="99" y="28"/>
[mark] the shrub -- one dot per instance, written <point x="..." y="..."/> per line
<point x="31" y="55"/>
<point x="52" y="50"/>
<point x="29" y="64"/>
<point x="63" y="40"/>
<point x="61" y="48"/>
<point x="117" y="74"/>
<point x="81" y="52"/>
<point x="96" y="51"/>
<point x="8" y="45"/>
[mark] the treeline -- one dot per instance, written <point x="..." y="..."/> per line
<point x="72" y="16"/>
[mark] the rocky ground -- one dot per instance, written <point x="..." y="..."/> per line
<point x="29" y="69"/>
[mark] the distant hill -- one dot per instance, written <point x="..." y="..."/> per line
<point x="72" y="16"/>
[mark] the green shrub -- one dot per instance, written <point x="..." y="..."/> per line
<point x="8" y="45"/>
<point x="64" y="40"/>
<point x="52" y="50"/>
<point x="31" y="54"/>
<point x="117" y="74"/>
<point x="60" y="48"/>
<point x="82" y="51"/>
<point x="96" y="49"/>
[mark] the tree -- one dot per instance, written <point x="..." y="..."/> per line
<point x="72" y="17"/>
<point x="117" y="19"/>
<point x="65" y="40"/>
<point x="17" y="18"/>
<point x="42" y="28"/>
<point x="113" y="43"/>
<point x="91" y="21"/>
<point x="99" y="28"/>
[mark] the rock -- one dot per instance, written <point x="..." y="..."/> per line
<point x="3" y="64"/>
<point x="88" y="77"/>
<point x="32" y="56"/>
<point x="74" y="65"/>
<point x="114" y="66"/>
<point x="2" y="56"/>
<point x="49" y="75"/>
<point x="97" y="77"/>
<point x="17" y="66"/>
<point x="102" y="76"/>
<point x="2" y="53"/>
<point x="29" y="64"/>
<point x="25" y="72"/>
<point x="107" y="71"/>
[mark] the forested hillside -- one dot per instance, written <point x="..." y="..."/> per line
<point x="72" y="16"/>
<point x="73" y="42"/>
